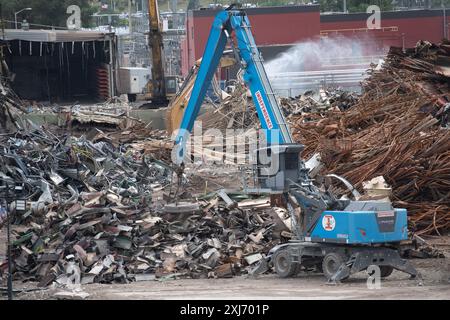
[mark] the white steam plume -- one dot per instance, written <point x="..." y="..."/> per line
<point x="315" y="52"/>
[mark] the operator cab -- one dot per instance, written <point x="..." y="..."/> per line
<point x="172" y="85"/>
<point x="278" y="166"/>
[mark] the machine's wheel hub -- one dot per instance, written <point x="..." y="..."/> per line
<point x="331" y="263"/>
<point x="283" y="264"/>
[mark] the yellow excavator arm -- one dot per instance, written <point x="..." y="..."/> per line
<point x="179" y="102"/>
<point x="157" y="86"/>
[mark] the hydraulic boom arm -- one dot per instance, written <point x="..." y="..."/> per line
<point x="269" y="112"/>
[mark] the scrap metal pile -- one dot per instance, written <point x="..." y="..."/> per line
<point x="320" y="102"/>
<point x="99" y="209"/>
<point x="109" y="115"/>
<point x="238" y="111"/>
<point x="399" y="129"/>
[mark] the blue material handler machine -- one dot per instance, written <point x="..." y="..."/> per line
<point x="337" y="237"/>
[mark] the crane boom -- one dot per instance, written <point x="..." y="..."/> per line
<point x="269" y="112"/>
<point x="158" y="87"/>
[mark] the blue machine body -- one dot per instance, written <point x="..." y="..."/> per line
<point x="361" y="227"/>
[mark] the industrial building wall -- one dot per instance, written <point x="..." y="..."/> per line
<point x="281" y="27"/>
<point x="270" y="26"/>
<point x="398" y="28"/>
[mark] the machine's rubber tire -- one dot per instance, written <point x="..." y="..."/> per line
<point x="331" y="263"/>
<point x="283" y="265"/>
<point x="132" y="97"/>
<point x="386" y="271"/>
<point x="319" y="268"/>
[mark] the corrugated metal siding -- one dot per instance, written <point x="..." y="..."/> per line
<point x="268" y="29"/>
<point x="290" y="25"/>
<point x="53" y="35"/>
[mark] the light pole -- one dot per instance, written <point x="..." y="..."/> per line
<point x="15" y="14"/>
<point x="20" y="205"/>
<point x="130" y="22"/>
<point x="6" y="196"/>
<point x="445" y="19"/>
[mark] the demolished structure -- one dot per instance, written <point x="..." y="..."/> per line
<point x="102" y="207"/>
<point x="98" y="201"/>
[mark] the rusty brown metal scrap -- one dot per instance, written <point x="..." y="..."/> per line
<point x="399" y="129"/>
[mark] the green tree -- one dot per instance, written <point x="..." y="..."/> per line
<point x="193" y="4"/>
<point x="48" y="12"/>
<point x="353" y="5"/>
<point x="122" y="5"/>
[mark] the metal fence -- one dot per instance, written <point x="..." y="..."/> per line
<point x="291" y="84"/>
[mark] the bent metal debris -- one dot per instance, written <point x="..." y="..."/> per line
<point x="97" y="201"/>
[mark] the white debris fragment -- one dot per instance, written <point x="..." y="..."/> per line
<point x="377" y="187"/>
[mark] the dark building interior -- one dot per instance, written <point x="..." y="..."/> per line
<point x="59" y="71"/>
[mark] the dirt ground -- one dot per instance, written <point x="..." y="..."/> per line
<point x="435" y="272"/>
<point x="270" y="287"/>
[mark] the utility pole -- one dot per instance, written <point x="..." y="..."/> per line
<point x="4" y="205"/>
<point x="130" y="23"/>
<point x="8" y="193"/>
<point x="3" y="36"/>
<point x="16" y="13"/>
<point x="112" y="7"/>
<point x="8" y="231"/>
<point x="444" y="13"/>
